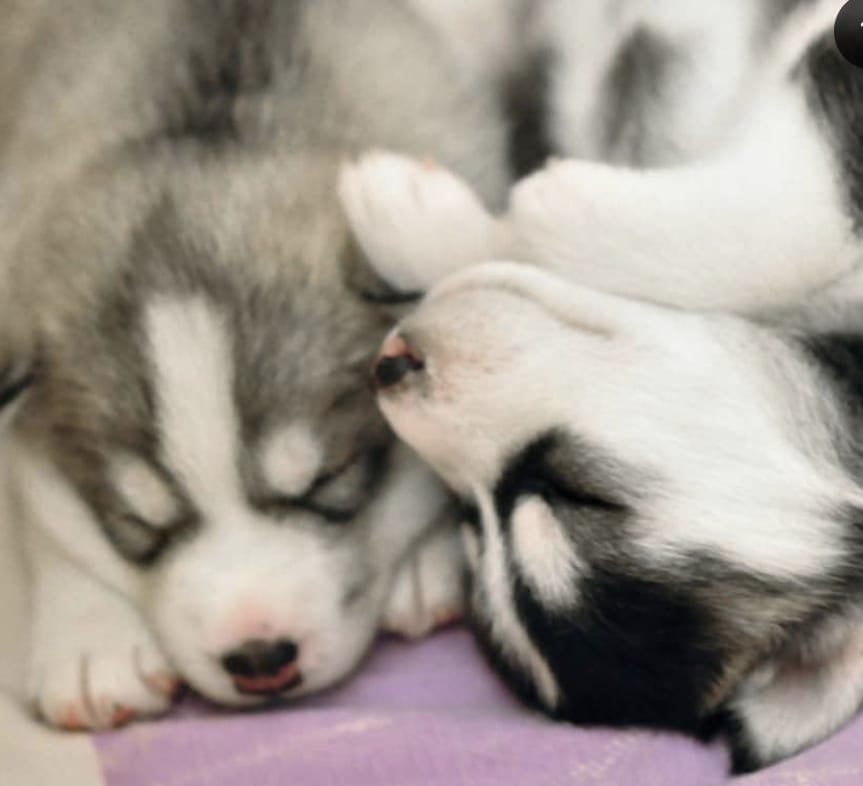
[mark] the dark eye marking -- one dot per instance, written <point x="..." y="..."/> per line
<point x="552" y="468"/>
<point x="143" y="542"/>
<point x="469" y="515"/>
<point x="13" y="388"/>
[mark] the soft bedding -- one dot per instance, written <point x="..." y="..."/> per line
<point x="430" y="714"/>
<point x="423" y="714"/>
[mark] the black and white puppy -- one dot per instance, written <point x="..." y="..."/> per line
<point x="668" y="524"/>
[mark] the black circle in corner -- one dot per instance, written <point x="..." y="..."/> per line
<point x="848" y="31"/>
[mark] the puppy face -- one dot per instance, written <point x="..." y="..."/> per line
<point x="656" y="506"/>
<point x="202" y="435"/>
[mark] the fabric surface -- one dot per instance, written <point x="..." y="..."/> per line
<point x="430" y="714"/>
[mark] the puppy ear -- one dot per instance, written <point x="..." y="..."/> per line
<point x="796" y="699"/>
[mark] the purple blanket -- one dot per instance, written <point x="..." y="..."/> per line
<point x="430" y="714"/>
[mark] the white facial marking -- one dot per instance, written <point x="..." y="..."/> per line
<point x="544" y="554"/>
<point x="144" y="491"/>
<point x="291" y="459"/>
<point x="506" y="627"/>
<point x="470" y="546"/>
<point x="195" y="410"/>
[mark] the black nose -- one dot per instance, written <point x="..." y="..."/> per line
<point x="395" y="362"/>
<point x="259" y="658"/>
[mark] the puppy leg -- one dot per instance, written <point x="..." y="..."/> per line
<point x="766" y="221"/>
<point x="415" y="222"/>
<point x="428" y="591"/>
<point x="93" y="664"/>
<point x="798" y="699"/>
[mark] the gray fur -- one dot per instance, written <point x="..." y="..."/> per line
<point x="637" y="83"/>
<point x="192" y="149"/>
<point x="222" y="127"/>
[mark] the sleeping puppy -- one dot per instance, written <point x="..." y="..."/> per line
<point x="664" y="506"/>
<point x="207" y="490"/>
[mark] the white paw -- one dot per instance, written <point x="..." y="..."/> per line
<point x="428" y="591"/>
<point x="98" y="673"/>
<point x="416" y="222"/>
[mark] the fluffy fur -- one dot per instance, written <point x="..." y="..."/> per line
<point x="667" y="503"/>
<point x="197" y="461"/>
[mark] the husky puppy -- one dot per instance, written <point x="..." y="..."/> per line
<point x="206" y="487"/>
<point x="667" y="523"/>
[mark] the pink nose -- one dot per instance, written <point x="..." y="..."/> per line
<point x="395" y="362"/>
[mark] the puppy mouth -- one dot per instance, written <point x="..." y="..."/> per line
<point x="287" y="678"/>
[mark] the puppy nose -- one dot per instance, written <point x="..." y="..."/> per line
<point x="263" y="667"/>
<point x="395" y="361"/>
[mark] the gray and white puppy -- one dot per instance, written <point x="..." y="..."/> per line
<point x="207" y="489"/>
<point x="668" y="504"/>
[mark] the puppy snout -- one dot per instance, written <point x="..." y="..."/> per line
<point x="263" y="667"/>
<point x="396" y="361"/>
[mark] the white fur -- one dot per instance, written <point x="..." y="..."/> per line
<point x="788" y="706"/>
<point x="496" y="597"/>
<point x="427" y="590"/>
<point x="415" y="222"/>
<point x="193" y="373"/>
<point x="239" y="576"/>
<point x="710" y="234"/>
<point x="586" y="36"/>
<point x="480" y="37"/>
<point x="654" y="386"/>
<point x="545" y="556"/>
<point x="144" y="491"/>
<point x="725" y="438"/>
<point x="737" y="223"/>
<point x="291" y="459"/>
<point x="45" y="499"/>
<point x="470" y="546"/>
<point x="93" y="663"/>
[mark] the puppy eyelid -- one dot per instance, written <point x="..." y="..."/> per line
<point x="280" y="505"/>
<point x="329" y="476"/>
<point x="549" y="485"/>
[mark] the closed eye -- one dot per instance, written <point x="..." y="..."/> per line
<point x="536" y="470"/>
<point x="336" y="495"/>
<point x="143" y="541"/>
<point x="553" y="490"/>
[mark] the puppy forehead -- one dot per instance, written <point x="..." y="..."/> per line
<point x="193" y="372"/>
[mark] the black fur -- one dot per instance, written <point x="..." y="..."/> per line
<point x="834" y="92"/>
<point x="839" y="356"/>
<point x="516" y="679"/>
<point x="11" y="387"/>
<point x="470" y="517"/>
<point x="526" y="105"/>
<point x="728" y="725"/>
<point x="635" y="652"/>
<point x="557" y="466"/>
